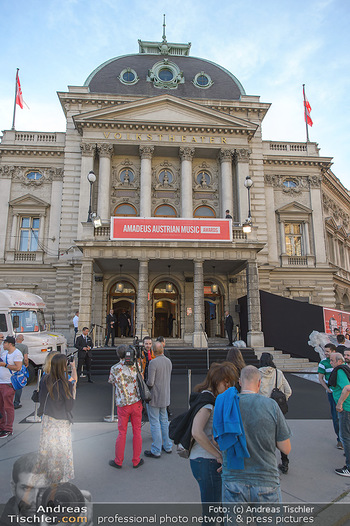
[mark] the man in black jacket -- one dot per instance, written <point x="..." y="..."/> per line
<point x="111" y="322"/>
<point x="229" y="326"/>
<point x="84" y="345"/>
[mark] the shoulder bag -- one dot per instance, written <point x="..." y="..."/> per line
<point x="279" y="397"/>
<point x="145" y="393"/>
<point x="19" y="378"/>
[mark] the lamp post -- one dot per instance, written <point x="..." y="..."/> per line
<point x="247" y="226"/>
<point x="91" y="178"/>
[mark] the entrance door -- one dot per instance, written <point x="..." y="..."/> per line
<point x="210" y="318"/>
<point x="122" y="308"/>
<point x="164" y="316"/>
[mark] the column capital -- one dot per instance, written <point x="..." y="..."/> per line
<point x="186" y="154"/>
<point x="198" y="261"/>
<point x="225" y="155"/>
<point x="88" y="149"/>
<point x="105" y="149"/>
<point x="242" y="155"/>
<point x="146" y="152"/>
<point x="143" y="260"/>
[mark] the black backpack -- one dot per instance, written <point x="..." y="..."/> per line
<point x="280" y="398"/>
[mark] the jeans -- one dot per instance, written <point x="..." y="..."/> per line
<point x="134" y="412"/>
<point x="17" y="399"/>
<point x="159" y="424"/>
<point x="334" y="414"/>
<point x="344" y="431"/>
<point x="205" y="472"/>
<point x="240" y="492"/>
<point x="7" y="410"/>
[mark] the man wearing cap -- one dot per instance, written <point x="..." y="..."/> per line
<point x="10" y="361"/>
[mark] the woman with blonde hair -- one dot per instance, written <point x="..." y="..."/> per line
<point x="205" y="456"/>
<point x="56" y="397"/>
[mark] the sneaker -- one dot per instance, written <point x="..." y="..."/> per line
<point x="344" y="472"/>
<point x="139" y="464"/>
<point x="170" y="450"/>
<point x="283" y="468"/>
<point x="18" y="406"/>
<point x="149" y="454"/>
<point x="114" y="465"/>
<point x="5" y="434"/>
<point x="339" y="445"/>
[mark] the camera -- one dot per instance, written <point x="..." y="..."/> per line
<point x="70" y="357"/>
<point x="133" y="353"/>
<point x="55" y="500"/>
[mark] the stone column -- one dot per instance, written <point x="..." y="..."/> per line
<point x="317" y="219"/>
<point x="142" y="299"/>
<point x="225" y="158"/>
<point x="4" y="215"/>
<point x="283" y="238"/>
<point x="186" y="156"/>
<point x="15" y="232"/>
<point x="146" y="153"/>
<point x="306" y="238"/>
<point x="55" y="210"/>
<point x="255" y="337"/>
<point x="242" y="170"/>
<point x="87" y="164"/>
<point x="199" y="339"/>
<point x="86" y="283"/>
<point x="104" y="177"/>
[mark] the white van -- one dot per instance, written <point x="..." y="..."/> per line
<point x="23" y="313"/>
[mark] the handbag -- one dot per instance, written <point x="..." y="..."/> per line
<point x="280" y="398"/>
<point x="145" y="393"/>
<point x="35" y="396"/>
<point x="19" y="378"/>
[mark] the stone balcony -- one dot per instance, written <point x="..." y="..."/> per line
<point x="291" y="148"/>
<point x="22" y="138"/>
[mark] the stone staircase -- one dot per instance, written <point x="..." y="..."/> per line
<point x="285" y="362"/>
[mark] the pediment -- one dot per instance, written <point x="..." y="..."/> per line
<point x="164" y="110"/>
<point x="28" y="201"/>
<point x="294" y="208"/>
<point x="330" y="222"/>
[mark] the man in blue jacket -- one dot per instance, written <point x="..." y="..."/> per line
<point x="265" y="429"/>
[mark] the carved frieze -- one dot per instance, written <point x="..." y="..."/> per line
<point x="333" y="209"/>
<point x="291" y="184"/>
<point x="42" y="175"/>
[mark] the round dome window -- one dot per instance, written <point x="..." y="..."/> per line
<point x="166" y="75"/>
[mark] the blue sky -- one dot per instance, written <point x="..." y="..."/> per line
<point x="271" y="46"/>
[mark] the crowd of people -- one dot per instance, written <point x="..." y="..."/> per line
<point x="230" y="431"/>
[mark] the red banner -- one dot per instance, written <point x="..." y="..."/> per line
<point x="336" y="319"/>
<point x="170" y="229"/>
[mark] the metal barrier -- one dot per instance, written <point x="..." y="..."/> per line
<point x="112" y="417"/>
<point x="35" y="419"/>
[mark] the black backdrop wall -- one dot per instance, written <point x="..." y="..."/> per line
<point x="286" y="324"/>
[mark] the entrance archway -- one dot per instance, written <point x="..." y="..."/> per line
<point x="213" y="308"/>
<point x="165" y="310"/>
<point x="122" y="300"/>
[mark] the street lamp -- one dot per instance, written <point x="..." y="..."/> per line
<point x="247" y="226"/>
<point x="91" y="178"/>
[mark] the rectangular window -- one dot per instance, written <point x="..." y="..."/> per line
<point x="293" y="236"/>
<point x="29" y="234"/>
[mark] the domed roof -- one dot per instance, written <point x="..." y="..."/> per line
<point x="149" y="75"/>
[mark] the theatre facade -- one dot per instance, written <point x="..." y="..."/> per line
<point x="173" y="142"/>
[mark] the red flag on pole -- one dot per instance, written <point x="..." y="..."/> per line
<point x="308" y="119"/>
<point x="19" y="96"/>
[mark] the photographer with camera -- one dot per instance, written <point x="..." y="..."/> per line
<point x="123" y="376"/>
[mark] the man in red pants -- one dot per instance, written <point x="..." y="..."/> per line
<point x="129" y="405"/>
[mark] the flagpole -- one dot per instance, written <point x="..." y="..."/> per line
<point x="14" y="109"/>
<point x="307" y="129"/>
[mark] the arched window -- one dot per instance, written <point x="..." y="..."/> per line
<point x="125" y="209"/>
<point x="165" y="211"/>
<point x="204" y="211"/>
